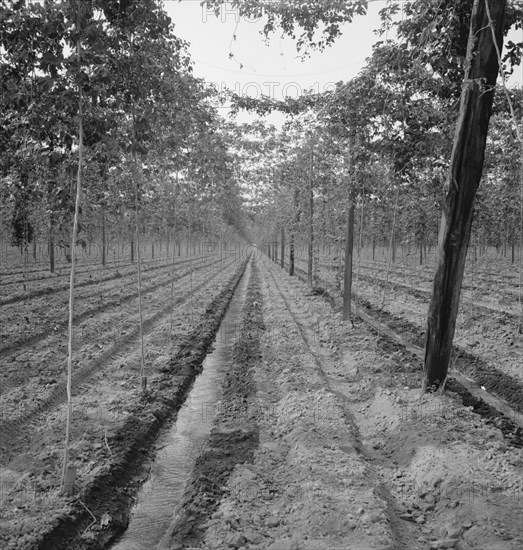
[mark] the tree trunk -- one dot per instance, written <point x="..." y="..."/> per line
<point x="347" y="280"/>
<point x="132" y="250"/>
<point x="481" y="69"/>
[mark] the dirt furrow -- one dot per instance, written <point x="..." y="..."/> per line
<point x="234" y="437"/>
<point x="25" y="343"/>
<point x="108" y="491"/>
<point x="13" y="428"/>
<point x="483" y="373"/>
<point x="401" y="534"/>
<point x="54" y="289"/>
<point x="449" y="473"/>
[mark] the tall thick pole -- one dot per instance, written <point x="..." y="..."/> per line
<point x="481" y="69"/>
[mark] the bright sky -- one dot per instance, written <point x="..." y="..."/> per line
<point x="272" y="69"/>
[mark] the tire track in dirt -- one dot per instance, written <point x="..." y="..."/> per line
<point x="13" y="428"/>
<point x="402" y="532"/>
<point x="21" y="345"/>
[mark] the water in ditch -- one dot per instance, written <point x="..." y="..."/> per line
<point x="179" y="447"/>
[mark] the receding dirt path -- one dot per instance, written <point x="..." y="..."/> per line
<point x="233" y="437"/>
<point x="321" y="441"/>
<point x="349" y="457"/>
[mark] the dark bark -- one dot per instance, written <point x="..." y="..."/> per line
<point x="481" y="69"/>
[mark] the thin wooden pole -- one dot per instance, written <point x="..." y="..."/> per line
<point x="347" y="279"/>
<point x="143" y="378"/>
<point x="390" y="249"/>
<point x="311" y="224"/>
<point x="282" y="259"/>
<point x="359" y="252"/>
<point x="65" y="474"/>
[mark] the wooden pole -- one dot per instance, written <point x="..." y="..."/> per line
<point x="282" y="259"/>
<point x="143" y="378"/>
<point x="349" y="248"/>
<point x="481" y="69"/>
<point x="67" y="472"/>
<point x="103" y="237"/>
<point x="311" y="225"/>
